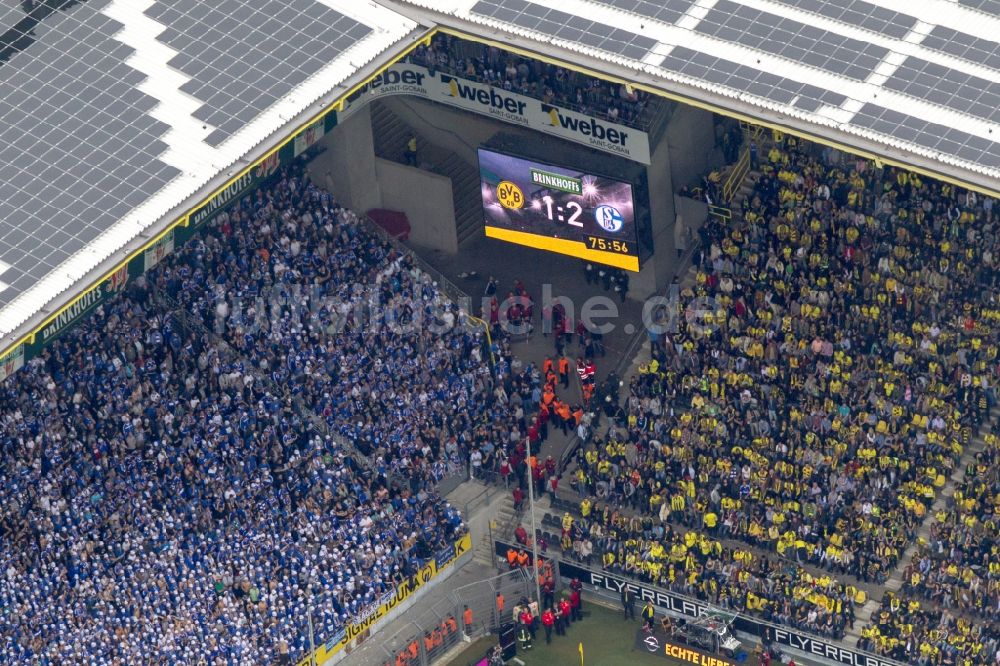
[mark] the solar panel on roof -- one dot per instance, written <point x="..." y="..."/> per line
<point x="947" y="140"/>
<point x="859" y="13"/>
<point x="667" y="11"/>
<point x="229" y="49"/>
<point x="10" y="15"/>
<point x="791" y="39"/>
<point x="69" y="176"/>
<point x="991" y="7"/>
<point x="961" y="45"/>
<point x="743" y="78"/>
<point x="540" y="18"/>
<point x="950" y="88"/>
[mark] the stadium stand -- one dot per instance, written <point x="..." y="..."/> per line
<point x="248" y="435"/>
<point x="534" y="78"/>
<point x="695" y="564"/>
<point x="161" y="505"/>
<point x="907" y="630"/>
<point x="946" y="611"/>
<point x="959" y="566"/>
<point x="829" y="369"/>
<point x="336" y="306"/>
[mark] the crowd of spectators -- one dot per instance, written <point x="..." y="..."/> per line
<point x="551" y="84"/>
<point x="368" y="341"/>
<point x="959" y="565"/>
<point x="697" y="564"/>
<point x="951" y="588"/>
<point x="177" y="493"/>
<point x="913" y="633"/>
<point x="832" y="362"/>
<point x="182" y="492"/>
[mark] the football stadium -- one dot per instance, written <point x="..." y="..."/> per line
<point x="485" y="332"/>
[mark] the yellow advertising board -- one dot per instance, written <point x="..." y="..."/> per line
<point x="390" y="601"/>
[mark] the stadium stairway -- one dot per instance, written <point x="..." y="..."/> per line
<point x="744" y="191"/>
<point x="505" y="519"/>
<point x="391" y="134"/>
<point x="941" y="503"/>
<point x="644" y="354"/>
<point x="191" y="322"/>
<point x="489" y="512"/>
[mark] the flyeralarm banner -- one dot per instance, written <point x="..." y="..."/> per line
<point x="824" y="649"/>
<point x="494" y="101"/>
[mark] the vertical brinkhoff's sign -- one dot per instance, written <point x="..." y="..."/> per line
<point x="12" y="362"/>
<point x="155" y="253"/>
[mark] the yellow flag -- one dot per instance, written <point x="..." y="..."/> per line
<point x="581" y="654"/>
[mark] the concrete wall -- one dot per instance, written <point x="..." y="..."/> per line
<point x="684" y="154"/>
<point x="361" y="181"/>
<point x="691" y="214"/>
<point x="425" y="197"/>
<point x="657" y="271"/>
<point x="691" y="136"/>
<point x="455" y="130"/>
<point x="347" y="168"/>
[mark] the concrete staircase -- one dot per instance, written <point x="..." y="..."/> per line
<point x="504" y="522"/>
<point x="492" y="519"/>
<point x="941" y="502"/>
<point x="644" y="354"/>
<point x="745" y="190"/>
<point x="391" y="135"/>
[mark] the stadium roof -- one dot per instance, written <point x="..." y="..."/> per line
<point x="916" y="80"/>
<point x="114" y="113"/>
<point x="117" y="115"/>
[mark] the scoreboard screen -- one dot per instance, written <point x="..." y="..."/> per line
<point x="558" y="209"/>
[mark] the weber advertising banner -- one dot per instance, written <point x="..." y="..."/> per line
<point x="407" y="79"/>
<point x="681" y="605"/>
<point x="398" y="79"/>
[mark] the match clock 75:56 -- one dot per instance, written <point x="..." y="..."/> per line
<point x="607" y="244"/>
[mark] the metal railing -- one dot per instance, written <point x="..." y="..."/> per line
<point x="721" y="213"/>
<point x="739" y="171"/>
<point x="742" y="167"/>
<point x="440" y="626"/>
<point x="489" y="336"/>
<point x="751" y="131"/>
<point x="684" y="606"/>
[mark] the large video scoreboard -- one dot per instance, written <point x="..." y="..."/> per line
<point x="559" y="209"/>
